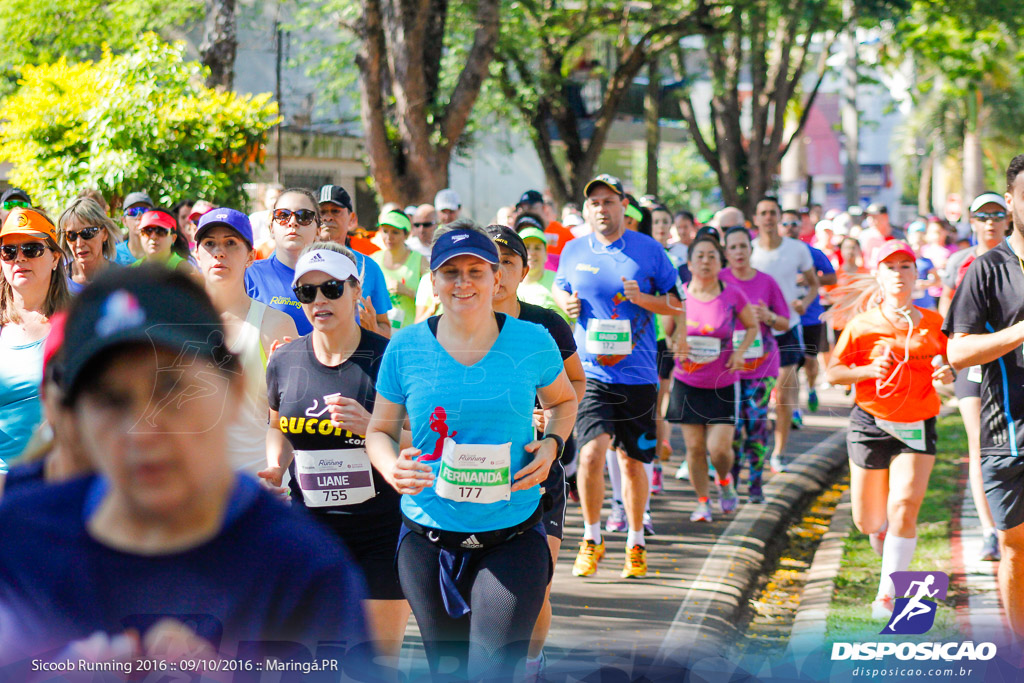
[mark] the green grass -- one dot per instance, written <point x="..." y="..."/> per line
<point x="857" y="583"/>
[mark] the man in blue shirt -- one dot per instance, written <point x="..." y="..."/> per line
<point x="130" y="250"/>
<point x="614" y="282"/>
<point x="337" y="216"/>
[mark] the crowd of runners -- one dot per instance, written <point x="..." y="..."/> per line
<point x="223" y="432"/>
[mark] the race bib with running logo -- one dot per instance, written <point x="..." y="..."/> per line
<point x="910" y="433"/>
<point x="704" y="349"/>
<point x="755" y="350"/>
<point x="609" y="337"/>
<point x="334" y="477"/>
<point x="475" y="473"/>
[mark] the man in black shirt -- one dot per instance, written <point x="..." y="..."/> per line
<point x="513" y="269"/>
<point x="985" y="324"/>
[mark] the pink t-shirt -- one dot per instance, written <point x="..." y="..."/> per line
<point x="710" y="324"/>
<point x="761" y="289"/>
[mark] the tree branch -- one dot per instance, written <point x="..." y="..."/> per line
<point x="478" y="61"/>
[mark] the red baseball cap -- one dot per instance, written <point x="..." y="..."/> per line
<point x="893" y="247"/>
<point x="160" y="218"/>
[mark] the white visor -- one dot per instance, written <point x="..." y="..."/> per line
<point x="326" y="261"/>
<point x="988" y="198"/>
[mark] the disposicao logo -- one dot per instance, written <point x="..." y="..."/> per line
<point x="914" y="614"/>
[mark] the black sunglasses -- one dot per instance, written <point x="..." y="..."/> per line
<point x="424" y="225"/>
<point x="84" y="233"/>
<point x="155" y="231"/>
<point x="9" y="252"/>
<point x="303" y="216"/>
<point x="790" y="224"/>
<point x="332" y="289"/>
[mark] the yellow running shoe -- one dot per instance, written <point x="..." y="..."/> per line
<point x="587" y="558"/>
<point x="636" y="563"/>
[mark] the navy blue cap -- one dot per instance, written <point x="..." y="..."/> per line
<point x="229" y="218"/>
<point x="508" y="238"/>
<point x="531" y="197"/>
<point x="461" y="242"/>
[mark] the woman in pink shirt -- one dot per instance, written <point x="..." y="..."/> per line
<point x="703" y="397"/>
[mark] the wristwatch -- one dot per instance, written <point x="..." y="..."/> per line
<point x="559" y="442"/>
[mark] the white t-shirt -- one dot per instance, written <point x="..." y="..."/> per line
<point x="784" y="263"/>
<point x="679" y="250"/>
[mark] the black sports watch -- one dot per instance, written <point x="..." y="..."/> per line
<point x="559" y="441"/>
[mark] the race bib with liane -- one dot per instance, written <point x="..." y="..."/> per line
<point x="475" y="473"/>
<point x="334" y="477"/>
<point x="910" y="433"/>
<point x="609" y="337"/>
<point x="755" y="350"/>
<point x="704" y="349"/>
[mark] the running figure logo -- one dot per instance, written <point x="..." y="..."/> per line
<point x="914" y="613"/>
<point x="439" y="424"/>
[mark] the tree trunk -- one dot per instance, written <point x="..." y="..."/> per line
<point x="220" y="43"/>
<point x="850" y="113"/>
<point x="652" y="133"/>
<point x="924" y="188"/>
<point x="974" y="161"/>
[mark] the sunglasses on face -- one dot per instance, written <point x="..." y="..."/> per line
<point x="9" y="252"/>
<point x="135" y="211"/>
<point x="424" y="225"/>
<point x="155" y="231"/>
<point x="332" y="289"/>
<point x="994" y="216"/>
<point x="790" y="224"/>
<point x="84" y="233"/>
<point x="11" y="204"/>
<point x="302" y="216"/>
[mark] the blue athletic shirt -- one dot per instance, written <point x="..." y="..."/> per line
<point x="812" y="316"/>
<point x="123" y="254"/>
<point x="595" y="271"/>
<point x="270" y="281"/>
<point x="270" y="573"/>
<point x="490" y="402"/>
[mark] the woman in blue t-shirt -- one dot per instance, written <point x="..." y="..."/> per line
<point x="472" y="537"/>
<point x="89" y="239"/>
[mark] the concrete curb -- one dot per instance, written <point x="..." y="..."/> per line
<point x="809" y="625"/>
<point x="706" y="621"/>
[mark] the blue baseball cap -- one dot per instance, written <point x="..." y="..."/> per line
<point x="229" y="218"/>
<point x="462" y="242"/>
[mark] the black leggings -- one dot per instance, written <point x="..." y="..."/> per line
<point x="504" y="587"/>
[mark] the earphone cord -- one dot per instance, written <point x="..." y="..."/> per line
<point x="891" y="379"/>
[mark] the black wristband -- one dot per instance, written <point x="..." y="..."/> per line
<point x="559" y="441"/>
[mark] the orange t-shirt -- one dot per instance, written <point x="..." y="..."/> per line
<point x="564" y="234"/>
<point x="909" y="396"/>
<point x="363" y="245"/>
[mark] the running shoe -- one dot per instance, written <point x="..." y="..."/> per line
<point x="882" y="608"/>
<point x="617" y="518"/>
<point x="684" y="471"/>
<point x="776" y="463"/>
<point x="990" y="548"/>
<point x="727" y="497"/>
<point x="587" y="558"/>
<point x="702" y="513"/>
<point x="657" y="480"/>
<point x="755" y="492"/>
<point x="648" y="524"/>
<point x="812" y="401"/>
<point x="798" y="420"/>
<point x="877" y="539"/>
<point x="636" y="563"/>
<point x="535" y="668"/>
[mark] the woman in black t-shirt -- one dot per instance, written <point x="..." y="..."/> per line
<point x="320" y="388"/>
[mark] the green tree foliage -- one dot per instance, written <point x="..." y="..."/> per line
<point x="142" y="120"/>
<point x="38" y="32"/>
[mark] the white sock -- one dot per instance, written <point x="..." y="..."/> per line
<point x="896" y="556"/>
<point x="635" y="538"/>
<point x="612" y="460"/>
<point x="592" y="532"/>
<point x="649" y="469"/>
<point x="987" y="531"/>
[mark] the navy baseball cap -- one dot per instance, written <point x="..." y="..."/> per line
<point x="461" y="242"/>
<point x="150" y="305"/>
<point x="531" y="197"/>
<point x="229" y="218"/>
<point x="335" y="194"/>
<point x="609" y="181"/>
